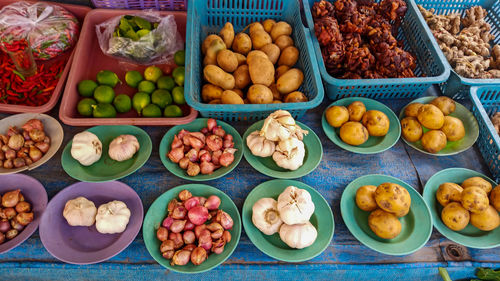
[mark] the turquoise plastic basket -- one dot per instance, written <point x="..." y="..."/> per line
<point x="457" y="86"/>
<point x="430" y="67"/>
<point x="485" y="102"/>
<point x="209" y="16"/>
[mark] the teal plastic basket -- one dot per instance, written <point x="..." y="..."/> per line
<point x="485" y="102"/>
<point x="430" y="67"/>
<point x="209" y="16"/>
<point x="457" y="86"/>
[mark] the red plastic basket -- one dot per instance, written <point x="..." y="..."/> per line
<point x="163" y="5"/>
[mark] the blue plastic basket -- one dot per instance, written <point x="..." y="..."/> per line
<point x="457" y="86"/>
<point x="485" y="102"/>
<point x="209" y="16"/>
<point x="430" y="67"/>
<point x="163" y="5"/>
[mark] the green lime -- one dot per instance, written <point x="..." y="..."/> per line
<point x="133" y="78"/>
<point x="178" y="95"/>
<point x="140" y="101"/>
<point x="86" y="88"/>
<point x="179" y="57"/>
<point x="104" y="110"/>
<point x="151" y="110"/>
<point x="106" y="77"/>
<point x="161" y="98"/>
<point x="122" y="103"/>
<point x="142" y="32"/>
<point x="165" y="82"/>
<point x="172" y="111"/>
<point x="178" y="75"/>
<point x="152" y="73"/>
<point x="84" y="106"/>
<point x="104" y="94"/>
<point x="146" y="86"/>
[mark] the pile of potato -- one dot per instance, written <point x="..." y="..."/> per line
<point x="434" y="117"/>
<point x="469" y="202"/>
<point x="387" y="203"/>
<point x="254" y="68"/>
<point x="356" y="123"/>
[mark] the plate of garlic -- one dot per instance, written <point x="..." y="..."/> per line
<point x="281" y="147"/>
<point x="288" y="220"/>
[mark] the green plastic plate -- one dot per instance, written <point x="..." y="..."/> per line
<point x="107" y="169"/>
<point x="373" y="144"/>
<point x="267" y="166"/>
<point x="452" y="147"/>
<point x="272" y="245"/>
<point x="416" y="225"/>
<point x="470" y="236"/>
<point x="196" y="126"/>
<point x="158" y="211"/>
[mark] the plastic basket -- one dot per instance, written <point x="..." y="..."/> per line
<point x="209" y="16"/>
<point x="163" y="5"/>
<point x="485" y="102"/>
<point x="430" y="67"/>
<point x="457" y="86"/>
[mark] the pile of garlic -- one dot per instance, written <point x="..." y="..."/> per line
<point x="281" y="138"/>
<point x="289" y="216"/>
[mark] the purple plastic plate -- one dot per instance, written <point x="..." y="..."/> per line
<point x="85" y="245"/>
<point x="34" y="193"/>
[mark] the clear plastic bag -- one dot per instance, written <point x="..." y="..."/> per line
<point x="50" y="29"/>
<point x="155" y="47"/>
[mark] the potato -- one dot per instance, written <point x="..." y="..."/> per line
<point x="241" y="77"/>
<point x="283" y="41"/>
<point x="259" y="94"/>
<point x="260" y="38"/>
<point x="449" y="192"/>
<point x="217" y="101"/>
<point x="227" y="34"/>
<point x="215" y="75"/>
<point x="289" y="56"/>
<point x="445" y="104"/>
<point x="356" y="111"/>
<point x="376" y="122"/>
<point x="393" y="198"/>
<point x="268" y="25"/>
<point x="411" y="129"/>
<point x="455" y="217"/>
<point x="231" y="97"/>
<point x="412" y="109"/>
<point x="474" y="199"/>
<point x="433" y="141"/>
<point x="430" y="117"/>
<point x="242" y="43"/>
<point x="487" y="220"/>
<point x="256" y="53"/>
<point x="241" y="58"/>
<point x="239" y="92"/>
<point x="208" y="40"/>
<point x="353" y="133"/>
<point x="453" y="128"/>
<point x="280" y="28"/>
<point x="478" y="181"/>
<point x="254" y="27"/>
<point x="280" y="70"/>
<point x="274" y="90"/>
<point x="295" y="97"/>
<point x="385" y="225"/>
<point x="495" y="197"/>
<point x="211" y="92"/>
<point x="290" y="81"/>
<point x="365" y="198"/>
<point x="337" y="115"/>
<point x="214" y="48"/>
<point x="227" y="60"/>
<point x="272" y="51"/>
<point x="261" y="70"/>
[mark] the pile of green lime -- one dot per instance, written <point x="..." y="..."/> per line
<point x="99" y="96"/>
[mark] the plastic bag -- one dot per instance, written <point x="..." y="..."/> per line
<point x="155" y="47"/>
<point x="50" y="29"/>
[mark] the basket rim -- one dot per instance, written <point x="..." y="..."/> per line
<point x="473" y="93"/>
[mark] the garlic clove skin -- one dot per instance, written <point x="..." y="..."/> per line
<point x="123" y="147"/>
<point x="265" y="216"/>
<point x="295" y="205"/>
<point x="298" y="236"/>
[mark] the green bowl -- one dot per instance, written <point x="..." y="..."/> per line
<point x="196" y="126"/>
<point x="373" y="144"/>
<point x="271" y="245"/>
<point x="107" y="169"/>
<point x="158" y="211"/>
<point x="470" y="236"/>
<point x="416" y="225"/>
<point x="452" y="147"/>
<point x="267" y="166"/>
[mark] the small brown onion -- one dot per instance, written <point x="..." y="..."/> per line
<point x="168" y="254"/>
<point x="196" y="143"/>
<point x="214" y="226"/>
<point x="4" y="226"/>
<point x="188" y="237"/>
<point x="43" y="146"/>
<point x="24" y="218"/>
<point x="193" y="169"/>
<point x="226" y="236"/>
<point x="198" y="215"/>
<point x="189" y="247"/>
<point x="226" y="159"/>
<point x="228" y="143"/>
<point x="191" y="202"/>
<point x="183" y="163"/>
<point x="2" y="238"/>
<point x="228" y="137"/>
<point x="198" y="255"/>
<point x="181" y="257"/>
<point x="167" y="245"/>
<point x="11" y="234"/>
<point x="213" y="202"/>
<point x="162" y="233"/>
<point x="214" y="142"/>
<point x="172" y="204"/>
<point x="189" y="226"/>
<point x="205" y="240"/>
<point x="2" y="155"/>
<point x="11" y="198"/>
<point x="211" y="124"/>
<point x="23" y="152"/>
<point x="176" y="143"/>
<point x="202" y="200"/>
<point x="37" y="135"/>
<point x="219" y="131"/>
<point x="35" y="153"/>
<point x="177" y="238"/>
<point x="8" y="164"/>
<point x="177" y="226"/>
<point x="10" y="154"/>
<point x="215" y="157"/>
<point x="179" y="212"/>
<point x="198" y="229"/>
<point x="218" y="246"/>
<point x="224" y="219"/>
<point x="16" y="225"/>
<point x="192" y="155"/>
<point x="207" y="168"/>
<point x="9" y="212"/>
<point x="28" y="161"/>
<point x="26" y="135"/>
<point x="176" y="154"/>
<point x="19" y="162"/>
<point x="16" y="142"/>
<point x="217" y="234"/>
<point x="28" y="143"/>
<point x="23" y="207"/>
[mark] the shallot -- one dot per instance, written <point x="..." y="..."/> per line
<point x="189" y="247"/>
<point x="11" y="198"/>
<point x="176" y="154"/>
<point x="226" y="236"/>
<point x="177" y="226"/>
<point x="213" y="202"/>
<point x="211" y="124"/>
<point x="198" y="215"/>
<point x="219" y="131"/>
<point x="191" y="202"/>
<point x="11" y="234"/>
<point x="224" y="219"/>
<point x="167" y="245"/>
<point x="189" y="226"/>
<point x="179" y="212"/>
<point x="183" y="163"/>
<point x="4" y="226"/>
<point x="198" y="255"/>
<point x="37" y="135"/>
<point x="198" y="229"/>
<point x="214" y="142"/>
<point x="205" y="239"/>
<point x="218" y="246"/>
<point x="43" y="146"/>
<point x="193" y="169"/>
<point x="181" y="257"/>
<point x="226" y="159"/>
<point x="207" y="168"/>
<point x="185" y="195"/>
<point x="35" y="153"/>
<point x="177" y="238"/>
<point x="162" y="233"/>
<point x="167" y="222"/>
<point x="24" y="218"/>
<point x="188" y="237"/>
<point x="192" y="155"/>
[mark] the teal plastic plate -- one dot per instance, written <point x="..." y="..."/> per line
<point x="373" y="144"/>
<point x="271" y="245"/>
<point x="416" y="225"/>
<point x="470" y="236"/>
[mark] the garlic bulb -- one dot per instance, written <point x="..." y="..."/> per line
<point x="298" y="235"/>
<point x="265" y="216"/>
<point x="290" y="154"/>
<point x="259" y="145"/>
<point x="123" y="147"/>
<point x="280" y="125"/>
<point x="112" y="217"/>
<point x="80" y="212"/>
<point x="295" y="205"/>
<point x="86" y="148"/>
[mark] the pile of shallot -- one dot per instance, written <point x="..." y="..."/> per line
<point x="15" y="214"/>
<point x="204" y="151"/>
<point x="194" y="228"/>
